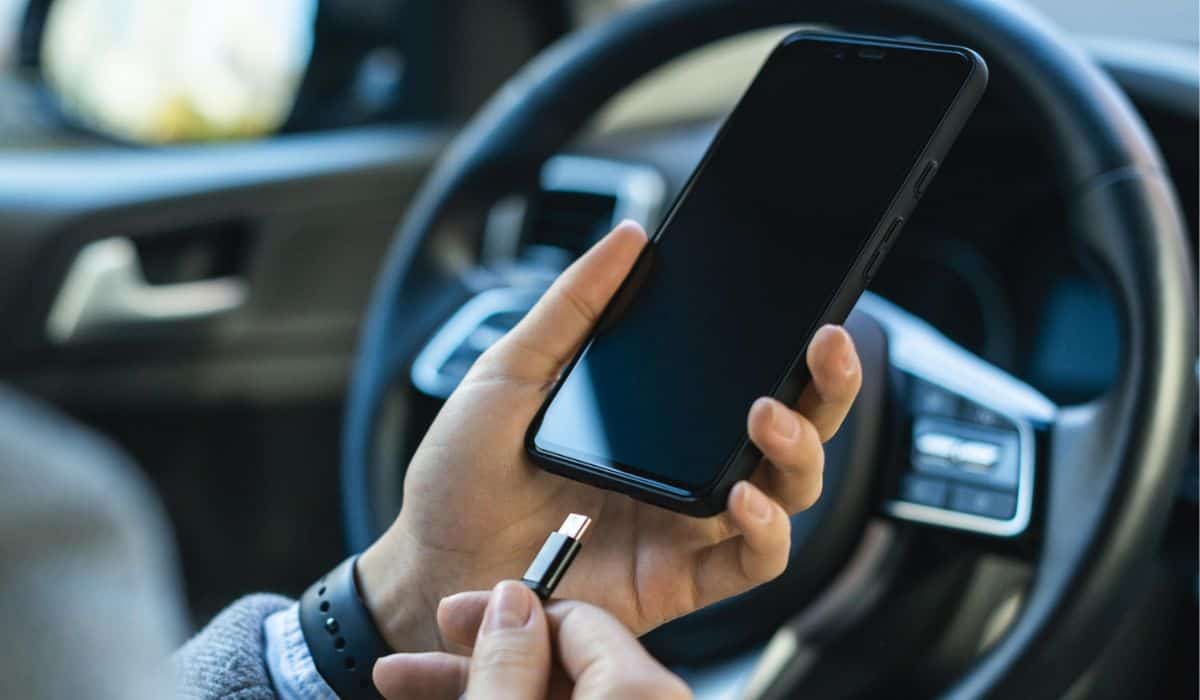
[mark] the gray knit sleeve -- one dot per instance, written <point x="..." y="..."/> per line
<point x="227" y="659"/>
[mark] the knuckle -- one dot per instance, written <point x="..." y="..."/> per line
<point x="768" y="562"/>
<point x="774" y="568"/>
<point x="778" y="562"/>
<point x="817" y="459"/>
<point x="503" y="652"/>
<point x="811" y="493"/>
<point x="806" y="479"/>
<point x="813" y="451"/>
<point x="803" y="454"/>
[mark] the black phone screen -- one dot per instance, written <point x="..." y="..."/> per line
<point x="750" y="256"/>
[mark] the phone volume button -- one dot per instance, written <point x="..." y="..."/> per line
<point x="869" y="270"/>
<point x="892" y="229"/>
<point x="923" y="179"/>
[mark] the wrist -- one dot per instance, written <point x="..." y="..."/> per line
<point x="399" y="597"/>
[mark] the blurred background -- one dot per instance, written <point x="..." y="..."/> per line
<point x="238" y="169"/>
<point x="263" y="151"/>
<point x="75" y="73"/>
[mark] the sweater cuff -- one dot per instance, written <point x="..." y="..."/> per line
<point x="289" y="662"/>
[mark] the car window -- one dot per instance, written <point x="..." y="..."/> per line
<point x="76" y="72"/>
<point x="1173" y="20"/>
<point x="151" y="71"/>
<point x="725" y="67"/>
<point x="157" y="71"/>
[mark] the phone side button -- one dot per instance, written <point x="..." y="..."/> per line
<point x="923" y="179"/>
<point x="869" y="270"/>
<point x="892" y="229"/>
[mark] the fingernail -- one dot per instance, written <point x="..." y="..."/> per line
<point x="756" y="503"/>
<point x="509" y="607"/>
<point x="783" y="422"/>
<point x="448" y="600"/>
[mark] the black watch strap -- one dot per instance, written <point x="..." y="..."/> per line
<point x="340" y="633"/>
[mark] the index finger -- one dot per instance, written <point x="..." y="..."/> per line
<point x="557" y="325"/>
<point x="604" y="659"/>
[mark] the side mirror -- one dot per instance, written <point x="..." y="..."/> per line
<point x="161" y="71"/>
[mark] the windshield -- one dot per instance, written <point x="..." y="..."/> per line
<point x="1172" y="20"/>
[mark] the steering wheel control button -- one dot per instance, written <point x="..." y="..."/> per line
<point x="977" y="455"/>
<point x="924" y="490"/>
<point x="937" y="446"/>
<point x="476" y="326"/>
<point x="924" y="178"/>
<point x="927" y="399"/>
<point x="983" y="502"/>
<point x="948" y="449"/>
<point x="966" y="453"/>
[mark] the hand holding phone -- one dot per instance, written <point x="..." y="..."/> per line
<point x="477" y="510"/>
<point x="786" y="219"/>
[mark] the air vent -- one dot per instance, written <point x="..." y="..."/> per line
<point x="580" y="199"/>
<point x="568" y="220"/>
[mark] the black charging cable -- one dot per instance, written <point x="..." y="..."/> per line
<point x="556" y="555"/>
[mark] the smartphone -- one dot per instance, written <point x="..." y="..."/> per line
<point x="778" y="231"/>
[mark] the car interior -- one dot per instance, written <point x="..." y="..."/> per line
<point x="268" y="324"/>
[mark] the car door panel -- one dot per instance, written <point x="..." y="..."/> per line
<point x="234" y="414"/>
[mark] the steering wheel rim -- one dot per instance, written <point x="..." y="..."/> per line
<point x="1125" y="448"/>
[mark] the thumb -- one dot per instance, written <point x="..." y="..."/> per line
<point x="539" y="346"/>
<point x="512" y="652"/>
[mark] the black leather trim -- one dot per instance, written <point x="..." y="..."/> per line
<point x="1116" y="463"/>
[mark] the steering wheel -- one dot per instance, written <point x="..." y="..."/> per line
<point x="1083" y="490"/>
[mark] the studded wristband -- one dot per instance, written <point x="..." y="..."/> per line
<point x="340" y="634"/>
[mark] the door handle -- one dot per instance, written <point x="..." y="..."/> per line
<point x="105" y="289"/>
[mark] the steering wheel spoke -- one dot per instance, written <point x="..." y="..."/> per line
<point x="965" y="452"/>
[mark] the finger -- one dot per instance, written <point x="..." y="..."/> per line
<point x="758" y="555"/>
<point x="583" y="643"/>
<point x="604" y="659"/>
<point x="795" y="458"/>
<point x="545" y="339"/>
<point x="512" y="651"/>
<point x="459" y="615"/>
<point x="836" y="378"/>
<point x="433" y="675"/>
